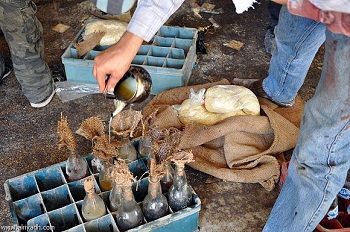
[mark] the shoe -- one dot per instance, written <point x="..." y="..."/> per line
<point x="269" y="41"/>
<point x="44" y="102"/>
<point x="257" y="89"/>
<point x="7" y="72"/>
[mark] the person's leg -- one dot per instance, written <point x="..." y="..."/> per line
<point x="269" y="40"/>
<point x="297" y="42"/>
<point x="321" y="159"/>
<point x="23" y="33"/>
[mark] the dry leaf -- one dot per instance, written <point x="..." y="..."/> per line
<point x="60" y="28"/>
<point x="237" y="45"/>
<point x="208" y="6"/>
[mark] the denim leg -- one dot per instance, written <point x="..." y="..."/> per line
<point x="297" y="42"/>
<point x="274" y="11"/>
<point x="321" y="159"/>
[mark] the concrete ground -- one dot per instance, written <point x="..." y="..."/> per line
<point x="28" y="138"/>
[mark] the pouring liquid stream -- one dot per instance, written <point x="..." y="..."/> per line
<point x="135" y="86"/>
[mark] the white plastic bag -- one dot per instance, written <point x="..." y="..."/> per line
<point x="193" y="110"/>
<point x="113" y="29"/>
<point x="235" y="99"/>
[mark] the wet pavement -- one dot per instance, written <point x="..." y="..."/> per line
<point x="28" y="137"/>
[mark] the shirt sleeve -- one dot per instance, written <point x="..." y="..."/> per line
<point x="150" y="15"/>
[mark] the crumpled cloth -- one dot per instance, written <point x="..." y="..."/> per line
<point x="240" y="148"/>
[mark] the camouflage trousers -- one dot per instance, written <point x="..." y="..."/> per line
<point x="23" y="33"/>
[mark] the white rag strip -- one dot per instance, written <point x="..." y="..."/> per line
<point x="243" y="5"/>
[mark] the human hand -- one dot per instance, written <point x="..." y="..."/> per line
<point x="115" y="61"/>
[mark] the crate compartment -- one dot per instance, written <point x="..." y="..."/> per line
<point x="56" y="198"/>
<point x="102" y="224"/>
<point x="29" y="207"/>
<point x="176" y="53"/>
<point x="21" y="187"/>
<point x="163" y="41"/>
<point x="169" y="42"/>
<point x="144" y="49"/>
<point x="159" y="51"/>
<point x="64" y="170"/>
<point x="39" y="224"/>
<point x="61" y="206"/>
<point x="91" y="55"/>
<point x="174" y="63"/>
<point x="77" y="190"/>
<point x="65" y="218"/>
<point x="140" y="189"/>
<point x="139" y="168"/>
<point x="186" y="33"/>
<point x="49" y="178"/>
<point x="138" y="59"/>
<point x="78" y="228"/>
<point x="155" y="61"/>
<point x="184" y="44"/>
<point x="166" y="31"/>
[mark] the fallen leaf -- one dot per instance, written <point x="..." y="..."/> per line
<point x="213" y="22"/>
<point x="237" y="45"/>
<point x="196" y="12"/>
<point x="60" y="28"/>
<point x="208" y="6"/>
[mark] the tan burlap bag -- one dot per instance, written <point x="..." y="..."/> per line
<point x="240" y="148"/>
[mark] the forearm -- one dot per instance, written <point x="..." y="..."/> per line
<point x="150" y="15"/>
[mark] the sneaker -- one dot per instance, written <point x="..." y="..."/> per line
<point x="257" y="89"/>
<point x="43" y="102"/>
<point x="7" y="72"/>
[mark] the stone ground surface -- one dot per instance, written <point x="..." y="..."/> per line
<point x="28" y="138"/>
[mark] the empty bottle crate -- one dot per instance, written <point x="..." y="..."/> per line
<point x="43" y="200"/>
<point x="169" y="59"/>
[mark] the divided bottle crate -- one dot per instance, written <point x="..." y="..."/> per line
<point x="169" y="59"/>
<point x="43" y="200"/>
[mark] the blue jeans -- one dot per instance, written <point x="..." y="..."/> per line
<point x="297" y="42"/>
<point x="321" y="158"/>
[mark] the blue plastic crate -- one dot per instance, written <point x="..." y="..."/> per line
<point x="169" y="59"/>
<point x="43" y="199"/>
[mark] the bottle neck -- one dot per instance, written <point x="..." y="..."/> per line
<point x="73" y="154"/>
<point x="128" y="195"/>
<point x="116" y="188"/>
<point x="125" y="139"/>
<point x="180" y="176"/>
<point x="154" y="187"/>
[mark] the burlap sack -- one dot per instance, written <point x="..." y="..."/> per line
<point x="240" y="148"/>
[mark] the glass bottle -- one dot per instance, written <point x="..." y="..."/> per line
<point x="93" y="206"/>
<point x="180" y="194"/>
<point x="145" y="147"/>
<point x="129" y="215"/>
<point x="155" y="204"/>
<point x="76" y="167"/>
<point x="105" y="179"/>
<point x="167" y="180"/>
<point x="127" y="151"/>
<point x="96" y="164"/>
<point x="115" y="197"/>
